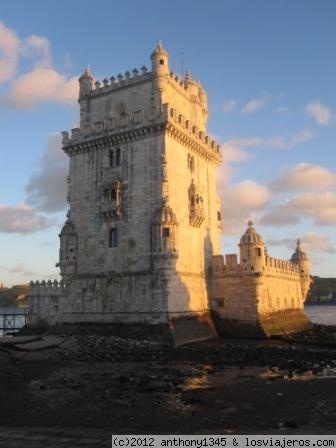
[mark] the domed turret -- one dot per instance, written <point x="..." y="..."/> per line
<point x="299" y="255"/>
<point x="68" y="229"/>
<point x="300" y="258"/>
<point x="86" y="81"/>
<point x="68" y="251"/>
<point x="252" y="250"/>
<point x="160" y="59"/>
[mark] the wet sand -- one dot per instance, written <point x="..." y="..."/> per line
<point x="132" y="387"/>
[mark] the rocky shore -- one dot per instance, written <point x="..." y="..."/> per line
<point x="134" y="386"/>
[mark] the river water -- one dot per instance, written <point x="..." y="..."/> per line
<point x="322" y="314"/>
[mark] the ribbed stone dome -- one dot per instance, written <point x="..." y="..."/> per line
<point x="299" y="254"/>
<point x="68" y="228"/>
<point x="251" y="236"/>
<point x="165" y="215"/>
<point x="159" y="49"/>
<point x="87" y="74"/>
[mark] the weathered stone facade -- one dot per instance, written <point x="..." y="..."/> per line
<point x="142" y="240"/>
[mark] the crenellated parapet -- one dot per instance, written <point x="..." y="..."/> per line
<point x="126" y="126"/>
<point x="281" y="265"/>
<point x="139" y="124"/>
<point x="273" y="266"/>
<point x="46" y="288"/>
<point x="120" y="81"/>
<point x="187" y="125"/>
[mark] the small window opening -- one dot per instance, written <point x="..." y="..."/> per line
<point x="219" y="216"/>
<point x="118" y="157"/>
<point x="165" y="231"/>
<point x="112" y="161"/>
<point x="161" y="61"/>
<point x="113" y="238"/>
<point x="258" y="251"/>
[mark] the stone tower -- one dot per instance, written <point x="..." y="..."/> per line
<point x="252" y="250"/>
<point x="300" y="258"/>
<point x="144" y="218"/>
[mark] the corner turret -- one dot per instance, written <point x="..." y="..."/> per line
<point x="68" y="251"/>
<point x="160" y="58"/>
<point x="300" y="258"/>
<point x="252" y="250"/>
<point x="86" y="82"/>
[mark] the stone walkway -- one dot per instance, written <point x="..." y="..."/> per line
<point x="54" y="438"/>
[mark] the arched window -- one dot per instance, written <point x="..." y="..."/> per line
<point x="113" y="194"/>
<point x="165" y="232"/>
<point x="258" y="252"/>
<point x="191" y="163"/>
<point x="118" y="157"/>
<point x="112" y="160"/>
<point x="113" y="238"/>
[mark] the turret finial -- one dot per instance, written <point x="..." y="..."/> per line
<point x="188" y="75"/>
<point x="87" y="73"/>
<point x="159" y="49"/>
<point x="250" y="223"/>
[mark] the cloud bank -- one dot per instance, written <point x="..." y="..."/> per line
<point x="319" y="112"/>
<point x="21" y="219"/>
<point x="42" y="83"/>
<point x="46" y="190"/>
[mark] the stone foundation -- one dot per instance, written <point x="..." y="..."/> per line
<point x="288" y="321"/>
<point x="275" y="324"/>
<point x="192" y="328"/>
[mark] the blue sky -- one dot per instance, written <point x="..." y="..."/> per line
<point x="268" y="67"/>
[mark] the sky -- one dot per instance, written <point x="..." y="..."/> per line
<point x="269" y="70"/>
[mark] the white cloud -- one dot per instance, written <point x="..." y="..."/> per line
<point x="318" y="206"/>
<point x="311" y="242"/>
<point x="21" y="268"/>
<point x="254" y="105"/>
<point x="238" y="146"/>
<point x="304" y="176"/>
<point x="9" y="52"/>
<point x="299" y="137"/>
<point x="40" y="85"/>
<point x="319" y="112"/>
<point x="314" y="242"/>
<point x="282" y="215"/>
<point x="38" y="48"/>
<point x="21" y="219"/>
<point x="240" y="202"/>
<point x="229" y="106"/>
<point x="46" y="189"/>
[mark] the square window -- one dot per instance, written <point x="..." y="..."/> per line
<point x="165" y="231"/>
